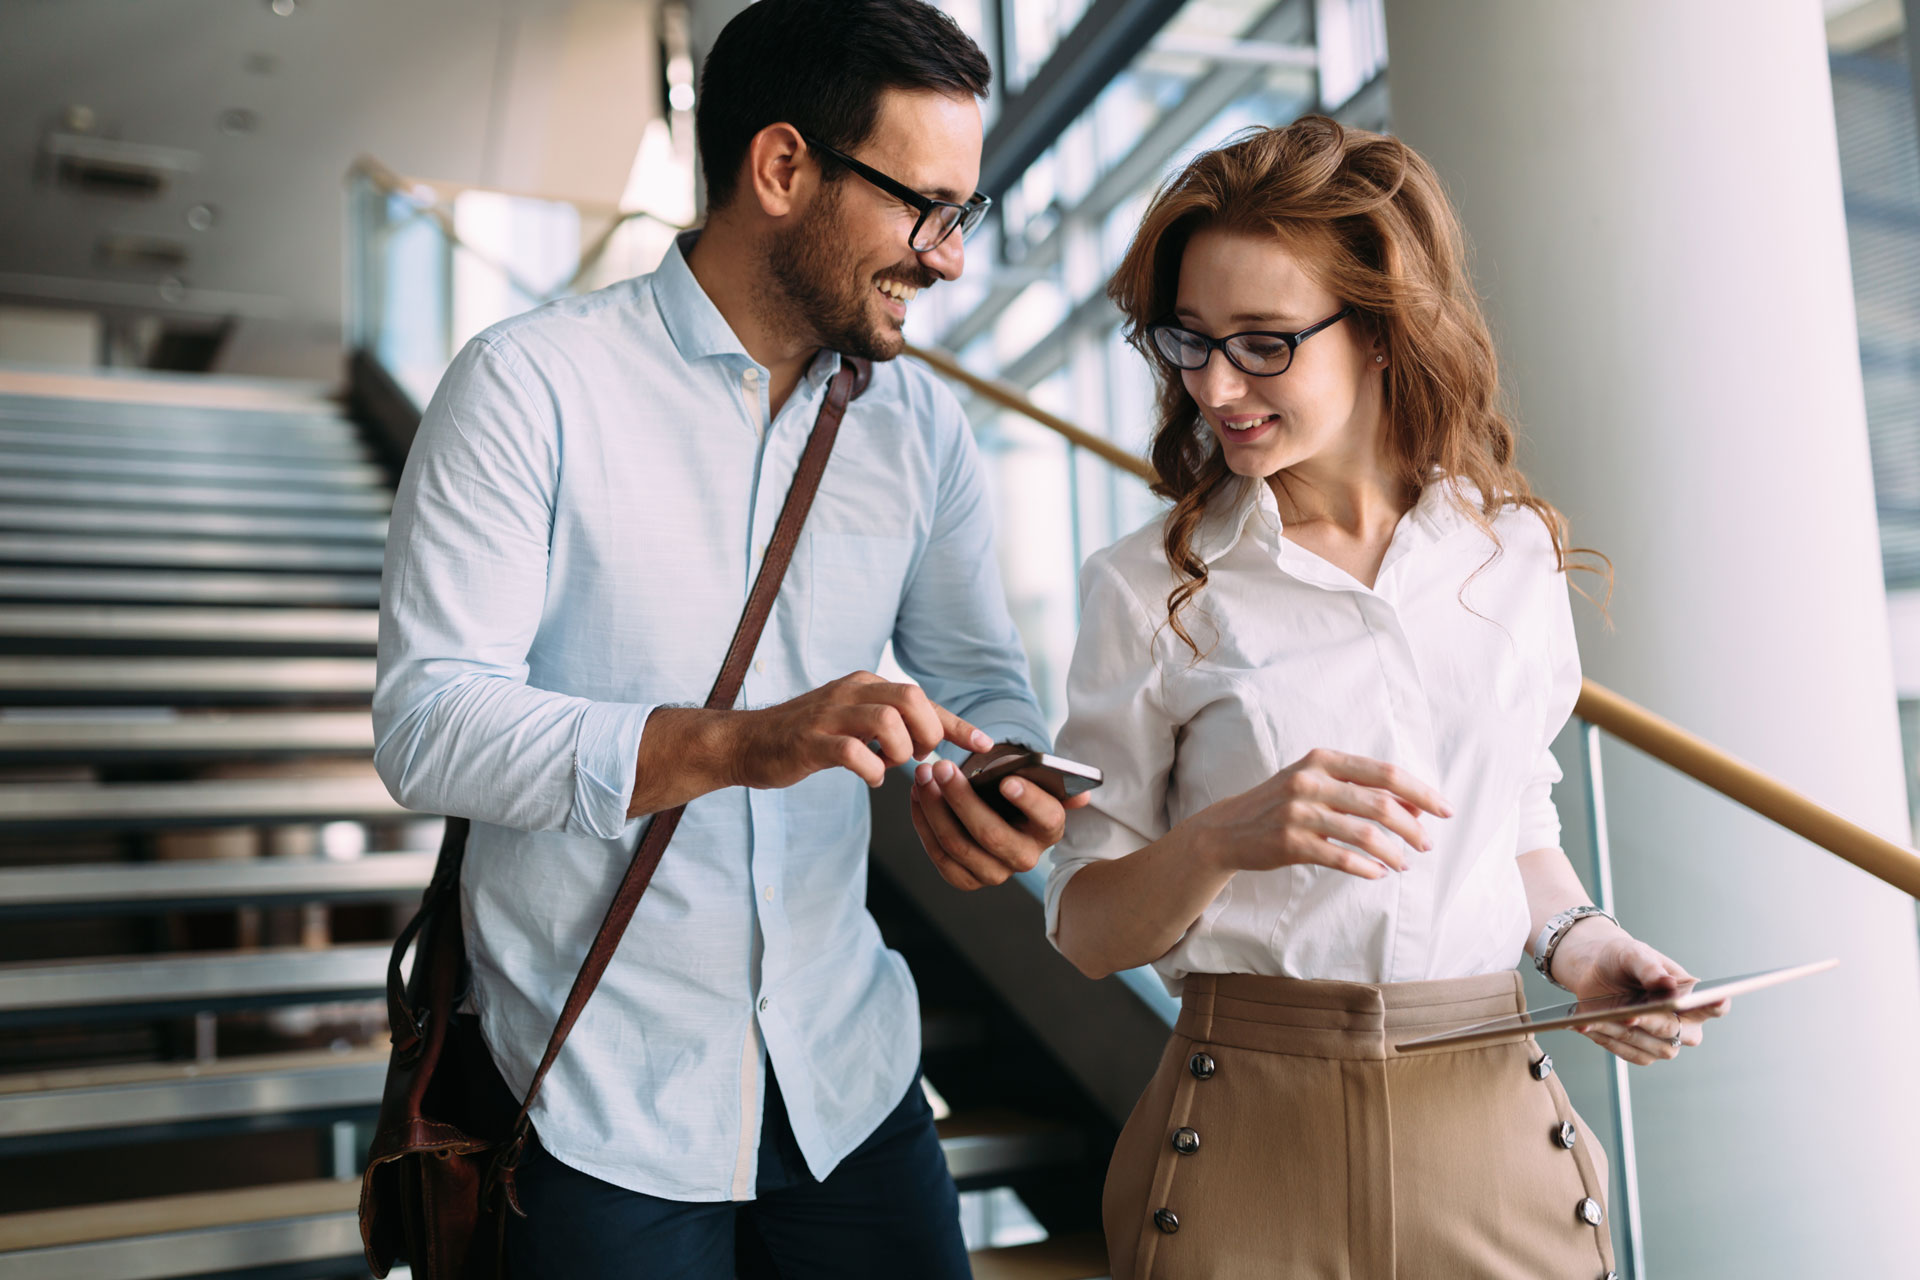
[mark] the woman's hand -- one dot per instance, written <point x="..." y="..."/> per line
<point x="1598" y="958"/>
<point x="1296" y="815"/>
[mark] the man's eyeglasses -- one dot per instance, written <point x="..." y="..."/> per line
<point x="938" y="218"/>
<point x="1260" y="353"/>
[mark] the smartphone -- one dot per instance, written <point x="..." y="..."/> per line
<point x="1062" y="777"/>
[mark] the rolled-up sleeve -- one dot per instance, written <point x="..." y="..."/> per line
<point x="953" y="634"/>
<point x="1117" y="721"/>
<point x="1539" y="819"/>
<point x="458" y="730"/>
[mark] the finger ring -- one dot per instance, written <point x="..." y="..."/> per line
<point x="1675" y="1042"/>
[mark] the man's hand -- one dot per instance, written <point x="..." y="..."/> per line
<point x="859" y="722"/>
<point x="972" y="846"/>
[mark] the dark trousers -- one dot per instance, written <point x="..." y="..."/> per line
<point x="889" y="1211"/>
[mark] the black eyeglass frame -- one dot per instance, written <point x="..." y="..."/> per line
<point x="1293" y="341"/>
<point x="967" y="216"/>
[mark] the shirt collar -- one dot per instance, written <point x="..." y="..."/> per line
<point x="1226" y="517"/>
<point x="695" y="325"/>
<point x="1248" y="501"/>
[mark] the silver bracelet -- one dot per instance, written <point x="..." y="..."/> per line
<point x="1553" y="931"/>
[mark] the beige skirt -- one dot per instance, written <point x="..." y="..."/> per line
<point x="1284" y="1136"/>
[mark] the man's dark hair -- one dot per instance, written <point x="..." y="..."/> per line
<point x="821" y="66"/>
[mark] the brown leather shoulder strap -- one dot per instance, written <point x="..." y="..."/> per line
<point x="847" y="384"/>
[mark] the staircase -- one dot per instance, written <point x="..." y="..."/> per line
<point x="200" y="873"/>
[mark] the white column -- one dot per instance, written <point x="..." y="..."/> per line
<point x="1652" y="193"/>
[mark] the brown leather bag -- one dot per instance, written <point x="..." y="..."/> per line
<point x="439" y="1180"/>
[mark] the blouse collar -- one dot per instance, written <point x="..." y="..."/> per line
<point x="1247" y="503"/>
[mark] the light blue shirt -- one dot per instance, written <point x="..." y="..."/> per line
<point x="581" y="517"/>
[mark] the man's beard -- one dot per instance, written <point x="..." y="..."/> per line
<point x="819" y="298"/>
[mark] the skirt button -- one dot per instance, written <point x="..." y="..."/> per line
<point x="1542" y="1066"/>
<point x="1167" y="1220"/>
<point x="1186" y="1141"/>
<point x="1589" y="1211"/>
<point x="1201" y="1064"/>
<point x="1567" y="1135"/>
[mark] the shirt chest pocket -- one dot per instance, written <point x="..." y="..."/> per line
<point x="856" y="583"/>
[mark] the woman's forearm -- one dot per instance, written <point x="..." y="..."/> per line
<point x="1130" y="911"/>
<point x="1552" y="887"/>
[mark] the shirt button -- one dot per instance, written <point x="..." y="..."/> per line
<point x="769" y="896"/>
<point x="1542" y="1066"/>
<point x="751" y="377"/>
<point x="1589" y="1211"/>
<point x="1201" y="1064"/>
<point x="760" y="669"/>
<point x="1186" y="1141"/>
<point x="1167" y="1220"/>
<point x="764" y="1002"/>
<point x="1567" y="1134"/>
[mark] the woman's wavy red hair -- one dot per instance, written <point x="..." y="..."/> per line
<point x="1367" y="217"/>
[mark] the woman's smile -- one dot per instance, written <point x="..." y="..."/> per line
<point x="1245" y="428"/>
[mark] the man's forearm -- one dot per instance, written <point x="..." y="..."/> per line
<point x="685" y="752"/>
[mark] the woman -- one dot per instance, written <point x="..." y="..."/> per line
<point x="1322" y="690"/>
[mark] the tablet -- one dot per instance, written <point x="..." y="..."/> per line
<point x="1615" y="1008"/>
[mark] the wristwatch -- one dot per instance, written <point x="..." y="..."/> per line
<point x="1550" y="934"/>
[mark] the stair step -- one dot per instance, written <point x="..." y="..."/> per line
<point x="189" y="553"/>
<point x="238" y="497"/>
<point x="90" y="806"/>
<point x="184" y="1235"/>
<point x="141" y="396"/>
<point x="310" y="1221"/>
<point x="313" y="474"/>
<point x="148" y="418"/>
<point x="127" y="521"/>
<point x="63" y="1109"/>
<point x="130" y="887"/>
<point x="114" y="736"/>
<point x="157" y="1099"/>
<point x="1081" y="1256"/>
<point x="128" y="442"/>
<point x="986" y="1146"/>
<point x="83" y="627"/>
<point x="172" y="681"/>
<point x="147" y="421"/>
<point x="113" y="586"/>
<point x="39" y="992"/>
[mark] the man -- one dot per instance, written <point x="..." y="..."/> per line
<point x="582" y="515"/>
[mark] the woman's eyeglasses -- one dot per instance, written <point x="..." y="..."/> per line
<point x="1259" y="353"/>
<point x="938" y="218"/>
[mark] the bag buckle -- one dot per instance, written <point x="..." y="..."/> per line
<point x="409" y="1045"/>
<point x="500" y="1173"/>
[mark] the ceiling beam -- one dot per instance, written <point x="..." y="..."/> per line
<point x="1206" y="98"/>
<point x="1099" y="47"/>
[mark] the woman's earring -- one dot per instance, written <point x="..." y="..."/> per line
<point x="1379" y="359"/>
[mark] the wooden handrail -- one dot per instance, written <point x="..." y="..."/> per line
<point x="1739" y="781"/>
<point x="1007" y="397"/>
<point x="1633" y="724"/>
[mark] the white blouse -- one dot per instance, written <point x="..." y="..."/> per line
<point x="1459" y="667"/>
